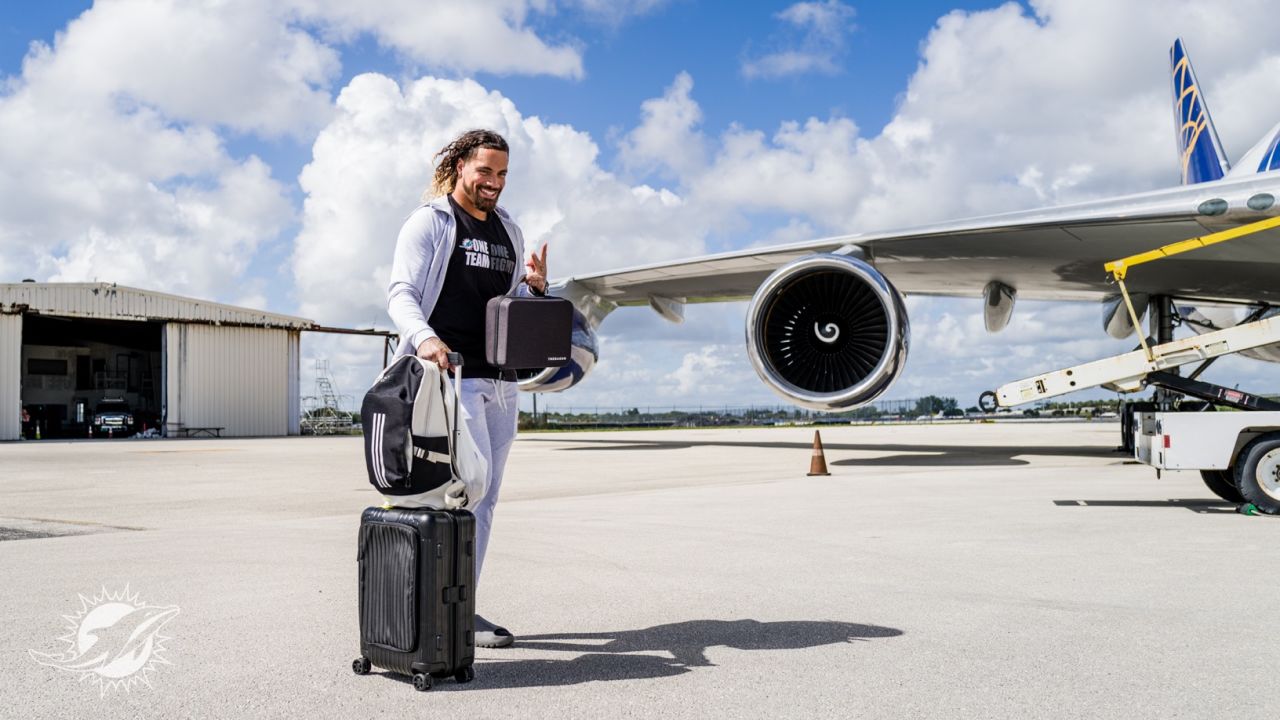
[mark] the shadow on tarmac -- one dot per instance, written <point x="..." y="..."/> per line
<point x="909" y="455"/>
<point x="1196" y="505"/>
<point x="605" y="656"/>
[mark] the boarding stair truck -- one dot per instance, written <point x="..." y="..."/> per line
<point x="1236" y="451"/>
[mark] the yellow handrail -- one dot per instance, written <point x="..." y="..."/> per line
<point x="1120" y="268"/>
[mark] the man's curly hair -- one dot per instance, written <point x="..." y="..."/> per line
<point x="462" y="148"/>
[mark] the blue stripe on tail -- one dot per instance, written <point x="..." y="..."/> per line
<point x="1271" y="158"/>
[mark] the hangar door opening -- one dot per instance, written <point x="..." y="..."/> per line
<point x="76" y="368"/>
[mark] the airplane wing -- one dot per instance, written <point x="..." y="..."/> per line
<point x="1046" y="254"/>
<point x="831" y="333"/>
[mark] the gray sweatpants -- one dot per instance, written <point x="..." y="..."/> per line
<point x="490" y="409"/>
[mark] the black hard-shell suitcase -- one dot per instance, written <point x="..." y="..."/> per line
<point x="417" y="606"/>
<point x="528" y="333"/>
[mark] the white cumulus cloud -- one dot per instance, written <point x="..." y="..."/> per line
<point x="474" y="36"/>
<point x="109" y="172"/>
<point x="372" y="162"/>
<point x="667" y="139"/>
<point x="235" y="63"/>
<point x="114" y="139"/>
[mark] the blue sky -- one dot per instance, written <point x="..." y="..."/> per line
<point x="627" y="63"/>
<point x="264" y="153"/>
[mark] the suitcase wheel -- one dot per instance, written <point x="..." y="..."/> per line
<point x="465" y="675"/>
<point x="421" y="682"/>
<point x="361" y="666"/>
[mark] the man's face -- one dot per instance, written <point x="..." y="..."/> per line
<point x="482" y="178"/>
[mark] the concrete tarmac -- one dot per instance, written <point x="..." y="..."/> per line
<point x="947" y="571"/>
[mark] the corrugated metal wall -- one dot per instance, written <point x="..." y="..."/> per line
<point x="243" y="380"/>
<point x="116" y="302"/>
<point x="10" y="376"/>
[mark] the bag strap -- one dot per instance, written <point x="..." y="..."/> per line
<point x="455" y="359"/>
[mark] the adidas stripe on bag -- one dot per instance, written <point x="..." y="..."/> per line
<point x="377" y="469"/>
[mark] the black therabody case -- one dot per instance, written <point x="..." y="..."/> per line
<point x="417" y="605"/>
<point x="527" y="333"/>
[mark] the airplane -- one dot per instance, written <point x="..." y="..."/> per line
<point x="827" y="328"/>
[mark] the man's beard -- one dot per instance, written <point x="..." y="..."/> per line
<point x="481" y="202"/>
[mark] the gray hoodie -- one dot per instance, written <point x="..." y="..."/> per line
<point x="417" y="272"/>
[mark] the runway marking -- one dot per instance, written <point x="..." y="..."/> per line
<point x="196" y="450"/>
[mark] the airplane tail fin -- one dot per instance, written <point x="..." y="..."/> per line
<point x="1263" y="157"/>
<point x="1198" y="145"/>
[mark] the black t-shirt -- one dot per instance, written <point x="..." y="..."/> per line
<point x="480" y="268"/>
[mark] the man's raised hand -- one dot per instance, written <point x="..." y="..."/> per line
<point x="536" y="277"/>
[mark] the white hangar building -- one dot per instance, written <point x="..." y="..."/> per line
<point x="181" y="364"/>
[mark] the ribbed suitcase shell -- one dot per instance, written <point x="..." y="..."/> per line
<point x="528" y="333"/>
<point x="417" y="606"/>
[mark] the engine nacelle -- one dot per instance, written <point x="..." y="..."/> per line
<point x="828" y="332"/>
<point x="583" y="354"/>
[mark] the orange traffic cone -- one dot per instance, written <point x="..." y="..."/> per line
<point x="818" y="463"/>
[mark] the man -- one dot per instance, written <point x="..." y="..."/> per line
<point x="453" y="255"/>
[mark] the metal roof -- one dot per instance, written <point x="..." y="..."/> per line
<point x="109" y="301"/>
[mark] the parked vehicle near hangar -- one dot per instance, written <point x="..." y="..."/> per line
<point x="112" y="418"/>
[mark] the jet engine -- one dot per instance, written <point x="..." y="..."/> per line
<point x="828" y="332"/>
<point x="582" y="357"/>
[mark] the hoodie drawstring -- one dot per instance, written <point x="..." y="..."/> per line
<point x="500" y="391"/>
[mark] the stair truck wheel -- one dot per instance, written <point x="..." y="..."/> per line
<point x="1258" y="473"/>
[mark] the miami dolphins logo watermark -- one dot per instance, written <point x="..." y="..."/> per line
<point x="114" y="641"/>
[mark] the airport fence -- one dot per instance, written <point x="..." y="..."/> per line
<point x="927" y="409"/>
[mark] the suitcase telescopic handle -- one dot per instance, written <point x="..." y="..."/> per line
<point x="455" y="359"/>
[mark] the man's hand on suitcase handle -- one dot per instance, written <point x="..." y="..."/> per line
<point x="434" y="350"/>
